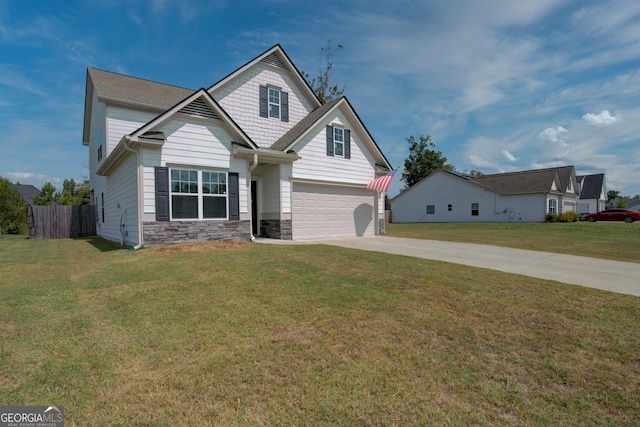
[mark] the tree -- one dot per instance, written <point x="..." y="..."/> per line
<point x="13" y="209"/>
<point x="423" y="160"/>
<point x="474" y="172"/>
<point x="612" y="194"/>
<point x="321" y="85"/>
<point x="46" y="196"/>
<point x="73" y="193"/>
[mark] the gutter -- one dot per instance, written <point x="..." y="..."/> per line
<point x="254" y="165"/>
<point x="127" y="146"/>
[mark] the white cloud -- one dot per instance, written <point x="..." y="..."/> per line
<point x="602" y="119"/>
<point x="478" y="161"/>
<point x="555" y="135"/>
<point x="507" y="155"/>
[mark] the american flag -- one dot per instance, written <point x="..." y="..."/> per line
<point x="381" y="184"/>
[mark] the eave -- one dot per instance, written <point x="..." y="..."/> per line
<point x="264" y="155"/>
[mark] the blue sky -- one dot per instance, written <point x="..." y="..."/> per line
<point x="500" y="85"/>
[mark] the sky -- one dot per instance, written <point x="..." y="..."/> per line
<point x="499" y="85"/>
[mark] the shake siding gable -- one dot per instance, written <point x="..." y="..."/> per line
<point x="240" y="97"/>
<point x="315" y="164"/>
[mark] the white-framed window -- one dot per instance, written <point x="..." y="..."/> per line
<point x="274" y="102"/>
<point x="553" y="206"/>
<point x="338" y="141"/>
<point x="431" y="209"/>
<point x="570" y="186"/>
<point x="198" y="194"/>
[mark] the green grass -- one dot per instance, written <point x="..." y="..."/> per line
<point x="247" y="334"/>
<point x="608" y="240"/>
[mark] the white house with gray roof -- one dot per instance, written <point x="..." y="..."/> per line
<point x="524" y="196"/>
<point x="255" y="154"/>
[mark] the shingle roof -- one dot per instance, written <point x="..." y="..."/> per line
<point x="591" y="186"/>
<point x="133" y="90"/>
<point x="28" y="192"/>
<point x="524" y="182"/>
<point x="304" y="124"/>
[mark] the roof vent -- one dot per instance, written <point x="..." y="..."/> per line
<point x="199" y="108"/>
<point x="275" y="60"/>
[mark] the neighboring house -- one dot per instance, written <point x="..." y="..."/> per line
<point x="634" y="205"/>
<point x="28" y="192"/>
<point x="256" y="154"/>
<point x="592" y="193"/>
<point x="525" y="196"/>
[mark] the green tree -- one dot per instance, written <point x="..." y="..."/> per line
<point x="612" y="194"/>
<point x="321" y="85"/>
<point x="423" y="160"/>
<point x="46" y="196"/>
<point x="73" y="193"/>
<point x="13" y="209"/>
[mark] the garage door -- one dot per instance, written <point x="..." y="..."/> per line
<point x="325" y="212"/>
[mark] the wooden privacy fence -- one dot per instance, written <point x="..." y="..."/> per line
<point x="59" y="222"/>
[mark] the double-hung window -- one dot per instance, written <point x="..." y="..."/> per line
<point x="274" y="103"/>
<point x="475" y="209"/>
<point x="198" y="194"/>
<point x="553" y="206"/>
<point x="338" y="142"/>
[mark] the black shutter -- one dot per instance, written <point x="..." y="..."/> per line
<point x="347" y="144"/>
<point x="234" y="196"/>
<point x="285" y="106"/>
<point x="264" y="102"/>
<point x="162" y="193"/>
<point x="329" y="140"/>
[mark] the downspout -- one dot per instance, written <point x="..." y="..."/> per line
<point x="254" y="165"/>
<point x="127" y="141"/>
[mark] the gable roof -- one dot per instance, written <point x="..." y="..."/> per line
<point x="293" y="136"/>
<point x="513" y="183"/>
<point x="523" y="182"/>
<point x="118" y="88"/>
<point x="199" y="103"/>
<point x="591" y="187"/>
<point x="275" y="57"/>
<point x="303" y="125"/>
<point x="27" y="191"/>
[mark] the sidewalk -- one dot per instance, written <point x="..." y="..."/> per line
<point x="614" y="276"/>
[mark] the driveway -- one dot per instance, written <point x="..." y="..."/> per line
<point x="615" y="276"/>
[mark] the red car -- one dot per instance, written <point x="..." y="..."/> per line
<point x="625" y="215"/>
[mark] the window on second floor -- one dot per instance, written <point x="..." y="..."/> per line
<point x="338" y="142"/>
<point x="274" y="103"/>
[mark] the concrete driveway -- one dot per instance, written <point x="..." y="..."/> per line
<point x="615" y="276"/>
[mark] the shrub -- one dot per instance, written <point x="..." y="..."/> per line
<point x="569" y="216"/>
<point x="551" y="217"/>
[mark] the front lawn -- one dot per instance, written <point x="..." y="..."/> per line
<point x="248" y="334"/>
<point x="608" y="240"/>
